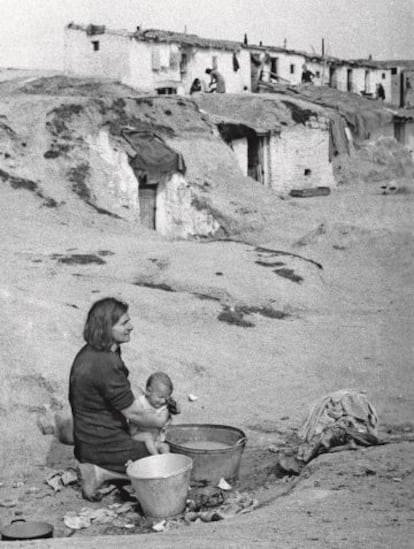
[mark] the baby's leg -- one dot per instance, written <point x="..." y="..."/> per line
<point x="149" y="442"/>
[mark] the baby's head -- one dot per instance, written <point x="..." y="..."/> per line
<point x="159" y="389"/>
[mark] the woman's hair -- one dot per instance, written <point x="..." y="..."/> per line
<point x="160" y="377"/>
<point x="101" y="317"/>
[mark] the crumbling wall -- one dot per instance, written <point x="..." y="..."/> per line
<point x="177" y="215"/>
<point x="112" y="180"/>
<point x="299" y="157"/>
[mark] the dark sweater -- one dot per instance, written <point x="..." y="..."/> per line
<point x="98" y="390"/>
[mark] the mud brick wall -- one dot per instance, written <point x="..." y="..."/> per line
<point x="299" y="157"/>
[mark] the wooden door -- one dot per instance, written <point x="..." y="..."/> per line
<point x="148" y="205"/>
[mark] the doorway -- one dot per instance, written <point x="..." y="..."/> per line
<point x="366" y="82"/>
<point x="148" y="205"/>
<point x="258" y="158"/>
<point x="332" y="77"/>
<point x="349" y="85"/>
<point x="273" y="66"/>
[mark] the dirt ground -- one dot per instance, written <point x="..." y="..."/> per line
<point x="347" y="325"/>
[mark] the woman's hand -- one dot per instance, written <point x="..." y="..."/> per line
<point x="146" y="419"/>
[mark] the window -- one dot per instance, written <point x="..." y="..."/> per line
<point x="394" y="70"/>
<point x="166" y="91"/>
<point x="292" y="69"/>
<point x="318" y="74"/>
<point x="95" y="44"/>
<point x="383" y="76"/>
<point x="273" y="65"/>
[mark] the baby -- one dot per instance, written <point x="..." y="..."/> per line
<point x="157" y="397"/>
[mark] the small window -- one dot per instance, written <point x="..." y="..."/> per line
<point x="166" y="91"/>
<point x="292" y="69"/>
<point x="383" y="76"/>
<point x="95" y="44"/>
<point x="394" y="70"/>
<point x="318" y="74"/>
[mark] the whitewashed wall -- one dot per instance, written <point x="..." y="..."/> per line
<point x="110" y="61"/>
<point x="140" y="61"/>
<point x="202" y="59"/>
<point x="377" y="78"/>
<point x="298" y="149"/>
<point x="112" y="181"/>
<point x="176" y="217"/>
<point x="285" y="61"/>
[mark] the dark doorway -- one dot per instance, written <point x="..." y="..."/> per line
<point x="349" y="85"/>
<point x="332" y="77"/>
<point x="148" y="205"/>
<point x="366" y="82"/>
<point x="273" y="65"/>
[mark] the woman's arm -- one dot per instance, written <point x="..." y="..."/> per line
<point x="146" y="419"/>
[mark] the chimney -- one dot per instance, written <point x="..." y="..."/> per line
<point x="245" y="41"/>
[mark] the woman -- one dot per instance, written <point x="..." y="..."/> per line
<point x="102" y="401"/>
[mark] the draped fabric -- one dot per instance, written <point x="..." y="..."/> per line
<point x="152" y="155"/>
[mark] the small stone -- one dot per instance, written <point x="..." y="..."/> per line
<point x="224" y="485"/>
<point x="18" y="484"/>
<point x="159" y="526"/>
<point x="192" y="398"/>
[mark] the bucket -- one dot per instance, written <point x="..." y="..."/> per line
<point x="161" y="484"/>
<point x="216" y="450"/>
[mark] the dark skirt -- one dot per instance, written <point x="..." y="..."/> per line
<point x="113" y="459"/>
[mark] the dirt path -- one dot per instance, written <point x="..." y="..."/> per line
<point x="347" y="325"/>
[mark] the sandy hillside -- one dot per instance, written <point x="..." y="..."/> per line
<point x="347" y="322"/>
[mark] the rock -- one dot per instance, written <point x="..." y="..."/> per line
<point x="224" y="485"/>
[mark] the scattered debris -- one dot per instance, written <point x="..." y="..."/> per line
<point x="70" y="476"/>
<point x="18" y="484"/>
<point x="59" y="479"/>
<point x="224" y="485"/>
<point x="159" y="526"/>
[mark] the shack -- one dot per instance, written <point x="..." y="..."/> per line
<point x="153" y="60"/>
<point x="280" y="141"/>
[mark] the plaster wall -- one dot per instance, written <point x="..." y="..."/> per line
<point x="113" y="181"/>
<point x="298" y="149"/>
<point x="176" y="217"/>
<point x="285" y="61"/>
<point x="109" y="61"/>
<point x="141" y="75"/>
